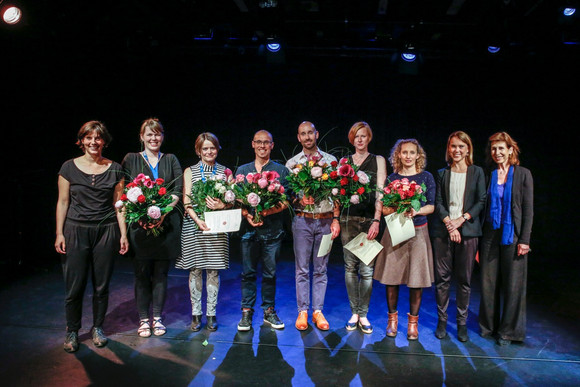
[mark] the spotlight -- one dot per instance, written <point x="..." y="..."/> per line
<point x="569" y="11"/>
<point x="273" y="47"/>
<point x="493" y="49"/>
<point x="11" y="15"/>
<point x="409" y="54"/>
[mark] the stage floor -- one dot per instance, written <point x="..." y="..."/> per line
<point x="32" y="332"/>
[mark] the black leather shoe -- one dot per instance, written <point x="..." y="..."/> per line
<point x="211" y="323"/>
<point x="441" y="330"/>
<point x="196" y="323"/>
<point x="99" y="338"/>
<point x="462" y="333"/>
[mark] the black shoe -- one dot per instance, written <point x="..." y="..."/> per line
<point x="71" y="342"/>
<point x="211" y="323"/>
<point x="245" y="323"/>
<point x="196" y="323"/>
<point x="501" y="341"/>
<point x="462" y="333"/>
<point x="441" y="330"/>
<point x="99" y="338"/>
<point x="271" y="318"/>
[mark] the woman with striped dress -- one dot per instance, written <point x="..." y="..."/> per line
<point x="199" y="251"/>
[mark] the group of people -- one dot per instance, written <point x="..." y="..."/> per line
<point x="471" y="213"/>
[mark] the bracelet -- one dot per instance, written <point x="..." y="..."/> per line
<point x="336" y="218"/>
<point x="375" y="220"/>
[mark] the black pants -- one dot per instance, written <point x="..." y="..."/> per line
<point x="150" y="286"/>
<point x="457" y="259"/>
<point x="90" y="249"/>
<point x="503" y="276"/>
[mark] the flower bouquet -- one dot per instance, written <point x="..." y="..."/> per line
<point x="259" y="191"/>
<point x="219" y="186"/>
<point x="351" y="185"/>
<point x="312" y="178"/>
<point x="404" y="195"/>
<point x="145" y="201"/>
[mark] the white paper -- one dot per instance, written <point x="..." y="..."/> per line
<point x="401" y="227"/>
<point x="325" y="245"/>
<point x="223" y="221"/>
<point x="364" y="249"/>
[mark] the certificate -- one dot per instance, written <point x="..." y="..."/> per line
<point x="364" y="249"/>
<point x="325" y="245"/>
<point x="223" y="221"/>
<point x="401" y="227"/>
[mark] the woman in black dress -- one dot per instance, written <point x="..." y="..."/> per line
<point x="87" y="230"/>
<point x="506" y="243"/>
<point x="152" y="254"/>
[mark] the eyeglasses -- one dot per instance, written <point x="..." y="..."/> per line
<point x="260" y="143"/>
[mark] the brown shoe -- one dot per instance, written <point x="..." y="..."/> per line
<point x="392" y="324"/>
<point x="302" y="320"/>
<point x="320" y="321"/>
<point x="412" y="331"/>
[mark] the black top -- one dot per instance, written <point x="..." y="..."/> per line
<point x="167" y="244"/>
<point x="91" y="195"/>
<point x="366" y="207"/>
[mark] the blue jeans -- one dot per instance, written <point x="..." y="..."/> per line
<point x="254" y="249"/>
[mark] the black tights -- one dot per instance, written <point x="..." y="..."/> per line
<point x="150" y="286"/>
<point x="415" y="295"/>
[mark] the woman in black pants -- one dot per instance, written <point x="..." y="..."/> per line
<point x="152" y="254"/>
<point x="459" y="201"/>
<point x="87" y="230"/>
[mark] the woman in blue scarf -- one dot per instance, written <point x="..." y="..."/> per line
<point x="506" y="243"/>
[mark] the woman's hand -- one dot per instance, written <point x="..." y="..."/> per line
<point x="201" y="224"/>
<point x="124" y="245"/>
<point x="214" y="203"/>
<point x="411" y="213"/>
<point x="523" y="249"/>
<point x="60" y="244"/>
<point x="373" y="231"/>
<point x="455" y="236"/>
<point x="250" y="219"/>
<point x="335" y="228"/>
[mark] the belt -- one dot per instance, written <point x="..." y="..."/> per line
<point x="310" y="215"/>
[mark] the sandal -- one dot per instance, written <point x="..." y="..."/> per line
<point x="158" y="328"/>
<point x="144" y="328"/>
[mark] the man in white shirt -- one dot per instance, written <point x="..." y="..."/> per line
<point x="308" y="227"/>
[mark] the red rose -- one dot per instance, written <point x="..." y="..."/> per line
<point x="131" y="185"/>
<point x="141" y="199"/>
<point x="334" y="164"/>
<point x="159" y="181"/>
<point x="123" y="197"/>
<point x="344" y="181"/>
<point x="361" y="190"/>
<point x="342" y="191"/>
<point x="333" y="174"/>
<point x="355" y="178"/>
<point x="162" y="191"/>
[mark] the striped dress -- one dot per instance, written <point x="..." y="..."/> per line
<point x="198" y="250"/>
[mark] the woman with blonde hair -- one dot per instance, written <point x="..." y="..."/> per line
<point x="410" y="262"/>
<point x="459" y="201"/>
<point x="505" y="243"/>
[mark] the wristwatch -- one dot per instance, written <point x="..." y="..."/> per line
<point x="464" y="217"/>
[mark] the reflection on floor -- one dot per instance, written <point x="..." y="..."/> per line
<point x="33" y="331"/>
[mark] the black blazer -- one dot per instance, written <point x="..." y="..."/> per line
<point x="522" y="204"/>
<point x="474" y="199"/>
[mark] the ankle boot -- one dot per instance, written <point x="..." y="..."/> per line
<point x="392" y="324"/>
<point x="412" y="330"/>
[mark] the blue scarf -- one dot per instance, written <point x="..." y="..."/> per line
<point x="501" y="208"/>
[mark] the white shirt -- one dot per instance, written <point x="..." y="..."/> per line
<point x="324" y="205"/>
<point x="456" y="192"/>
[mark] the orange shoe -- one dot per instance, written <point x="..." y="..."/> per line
<point x="302" y="321"/>
<point x="320" y="321"/>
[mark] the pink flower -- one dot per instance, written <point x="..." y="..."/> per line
<point x="133" y="194"/>
<point x="253" y="199"/>
<point x="335" y="191"/>
<point x="387" y="190"/>
<point x="316" y="172"/>
<point x="363" y="178"/>
<point x="228" y="172"/>
<point x="250" y="177"/>
<point x="119" y="204"/>
<point x="315" y="157"/>
<point x="271" y="188"/>
<point x="343" y="161"/>
<point x="271" y="175"/>
<point x="281" y="189"/>
<point x="154" y="212"/>
<point x="149" y="183"/>
<point x="346" y="170"/>
<point x="263" y="182"/>
<point x="405" y="181"/>
<point x="256" y="177"/>
<point x="322" y="163"/>
<point x="419" y="189"/>
<point x="240" y="178"/>
<point x="229" y="196"/>
<point x="355" y="199"/>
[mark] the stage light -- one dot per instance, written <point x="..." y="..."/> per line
<point x="408" y="56"/>
<point x="493" y="49"/>
<point x="569" y="11"/>
<point x="11" y="15"/>
<point x="273" y="47"/>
